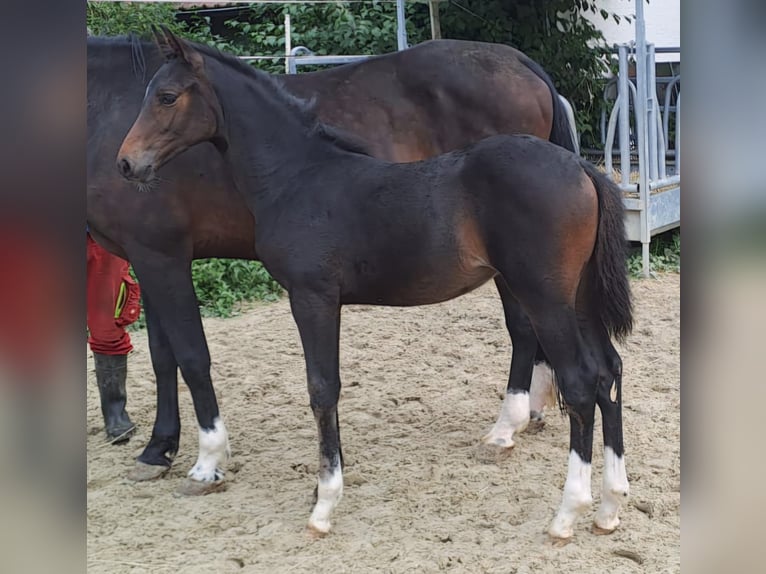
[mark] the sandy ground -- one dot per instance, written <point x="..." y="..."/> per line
<point x="420" y="389"/>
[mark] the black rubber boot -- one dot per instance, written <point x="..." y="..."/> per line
<point x="111" y="372"/>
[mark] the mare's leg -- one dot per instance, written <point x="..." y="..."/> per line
<point x="158" y="455"/>
<point x="515" y="410"/>
<point x="318" y="319"/>
<point x="168" y="281"/>
<point x="614" y="486"/>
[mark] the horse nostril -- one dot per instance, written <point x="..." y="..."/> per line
<point x="124" y="167"/>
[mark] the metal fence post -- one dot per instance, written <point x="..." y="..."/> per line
<point x="641" y="128"/>
<point x="401" y="26"/>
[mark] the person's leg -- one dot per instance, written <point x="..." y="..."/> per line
<point x="109" y="342"/>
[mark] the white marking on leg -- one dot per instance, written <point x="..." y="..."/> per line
<point x="614" y="491"/>
<point x="577" y="497"/>
<point x="542" y="391"/>
<point x="513" y="418"/>
<point x="329" y="493"/>
<point x="613" y="392"/>
<point x="214" y="452"/>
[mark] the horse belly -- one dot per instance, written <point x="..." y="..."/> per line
<point x="432" y="281"/>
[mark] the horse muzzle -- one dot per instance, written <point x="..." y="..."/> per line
<point x="132" y="170"/>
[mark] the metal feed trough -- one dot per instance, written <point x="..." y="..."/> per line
<point x="653" y="202"/>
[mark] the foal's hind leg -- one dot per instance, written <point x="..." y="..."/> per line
<point x="614" y="486"/>
<point x="318" y="320"/>
<point x="577" y="371"/>
<point x="514" y="412"/>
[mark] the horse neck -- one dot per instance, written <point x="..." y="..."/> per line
<point x="269" y="144"/>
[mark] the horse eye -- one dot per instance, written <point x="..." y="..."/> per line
<point x="168" y="99"/>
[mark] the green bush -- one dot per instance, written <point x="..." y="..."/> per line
<point x="222" y="283"/>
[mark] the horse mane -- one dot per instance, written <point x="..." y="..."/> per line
<point x="305" y="110"/>
<point x="138" y="60"/>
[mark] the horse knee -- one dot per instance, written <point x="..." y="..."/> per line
<point x="323" y="394"/>
<point x="194" y="367"/>
<point x="578" y="390"/>
<point x="164" y="366"/>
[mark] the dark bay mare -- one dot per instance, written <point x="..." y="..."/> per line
<point x="409" y="105"/>
<point x="336" y="226"/>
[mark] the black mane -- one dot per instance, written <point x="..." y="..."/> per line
<point x="305" y="110"/>
<point x="136" y="49"/>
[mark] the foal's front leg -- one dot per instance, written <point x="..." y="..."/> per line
<point x="318" y="318"/>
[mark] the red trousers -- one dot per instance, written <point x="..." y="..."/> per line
<point x="106" y="274"/>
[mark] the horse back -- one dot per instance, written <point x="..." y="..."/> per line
<point x="433" y="98"/>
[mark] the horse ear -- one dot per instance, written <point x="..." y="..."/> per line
<point x="167" y="49"/>
<point x="175" y="47"/>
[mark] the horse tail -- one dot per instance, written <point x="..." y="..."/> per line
<point x="561" y="132"/>
<point x="611" y="285"/>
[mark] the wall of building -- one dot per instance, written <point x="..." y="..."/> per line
<point x="663" y="24"/>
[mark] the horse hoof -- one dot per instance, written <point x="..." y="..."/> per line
<point x="121" y="435"/>
<point x="315" y="533"/>
<point x="492" y="452"/>
<point x="599" y="531"/>
<point x="557" y="542"/>
<point x="143" y="472"/>
<point x="191" y="487"/>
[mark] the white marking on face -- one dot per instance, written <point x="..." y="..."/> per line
<point x="577" y="497"/>
<point x="214" y="452"/>
<point x="613" y="392"/>
<point x="542" y="391"/>
<point x="614" y="491"/>
<point x="329" y="493"/>
<point x="513" y="418"/>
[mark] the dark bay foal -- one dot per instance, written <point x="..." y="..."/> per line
<point x="336" y="226"/>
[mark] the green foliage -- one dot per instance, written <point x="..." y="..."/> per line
<point x="116" y="18"/>
<point x="664" y="255"/>
<point x="222" y="283"/>
<point x="337" y="28"/>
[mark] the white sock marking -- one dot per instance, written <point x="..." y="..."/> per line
<point x="329" y="493"/>
<point x="614" y="491"/>
<point x="577" y="497"/>
<point x="542" y="391"/>
<point x="513" y="418"/>
<point x="214" y="452"/>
